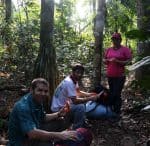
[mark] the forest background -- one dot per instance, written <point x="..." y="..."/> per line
<point x="43" y="39"/>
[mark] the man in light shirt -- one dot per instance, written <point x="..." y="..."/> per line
<point x="68" y="91"/>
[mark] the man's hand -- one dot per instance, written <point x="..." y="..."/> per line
<point x="92" y="94"/>
<point x="97" y="96"/>
<point x="68" y="135"/>
<point x="63" y="111"/>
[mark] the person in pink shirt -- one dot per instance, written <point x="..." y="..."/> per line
<point x="115" y="58"/>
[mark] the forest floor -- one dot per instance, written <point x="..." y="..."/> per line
<point x="133" y="129"/>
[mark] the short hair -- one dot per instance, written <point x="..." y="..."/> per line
<point x="38" y="81"/>
<point x="77" y="66"/>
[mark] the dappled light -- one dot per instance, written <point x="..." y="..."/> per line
<point x="44" y="38"/>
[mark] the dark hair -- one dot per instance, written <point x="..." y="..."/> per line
<point x="37" y="81"/>
<point x="103" y="99"/>
<point x="77" y="66"/>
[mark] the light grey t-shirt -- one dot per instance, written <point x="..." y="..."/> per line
<point x="64" y="92"/>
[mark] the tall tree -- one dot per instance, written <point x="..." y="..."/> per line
<point x="8" y="4"/>
<point x="98" y="34"/>
<point x="143" y="11"/>
<point x="46" y="61"/>
<point x="7" y="34"/>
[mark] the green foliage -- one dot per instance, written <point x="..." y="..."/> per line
<point x="74" y="48"/>
<point x="130" y="4"/>
<point x="71" y="45"/>
<point x="138" y="34"/>
<point x="24" y="34"/>
<point x="142" y="85"/>
<point x="73" y="38"/>
<point x="119" y="17"/>
<point x="145" y="82"/>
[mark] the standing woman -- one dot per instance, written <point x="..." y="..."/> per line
<point x="116" y="57"/>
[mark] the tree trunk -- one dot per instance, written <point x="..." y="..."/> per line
<point x="7" y="34"/>
<point x="46" y="61"/>
<point x="8" y="10"/>
<point x="143" y="12"/>
<point x="98" y="34"/>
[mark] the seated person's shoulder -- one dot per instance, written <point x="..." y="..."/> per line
<point x="22" y="105"/>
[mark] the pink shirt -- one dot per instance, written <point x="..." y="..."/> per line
<point x="115" y="69"/>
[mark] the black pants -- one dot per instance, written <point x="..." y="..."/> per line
<point x="116" y="85"/>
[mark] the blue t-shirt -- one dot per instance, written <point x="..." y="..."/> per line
<point x="25" y="116"/>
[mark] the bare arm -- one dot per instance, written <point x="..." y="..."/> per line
<point x="46" y="136"/>
<point x="89" y="96"/>
<point x="105" y="61"/>
<point x="51" y="116"/>
<point x="83" y="93"/>
<point x="79" y="100"/>
<point x="123" y="62"/>
<point x="61" y="113"/>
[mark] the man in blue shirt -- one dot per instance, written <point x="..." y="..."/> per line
<point x="28" y="114"/>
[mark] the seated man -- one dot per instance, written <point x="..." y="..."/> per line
<point x="28" y="114"/>
<point x="68" y="90"/>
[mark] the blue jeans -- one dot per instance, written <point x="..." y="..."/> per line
<point x="100" y="111"/>
<point x="116" y="85"/>
<point x="77" y="115"/>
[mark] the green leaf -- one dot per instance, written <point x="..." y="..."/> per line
<point x="138" y="34"/>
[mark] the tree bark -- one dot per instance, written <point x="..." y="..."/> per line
<point x="46" y="61"/>
<point x="7" y="34"/>
<point x="8" y="10"/>
<point x="143" y="12"/>
<point x="98" y="34"/>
